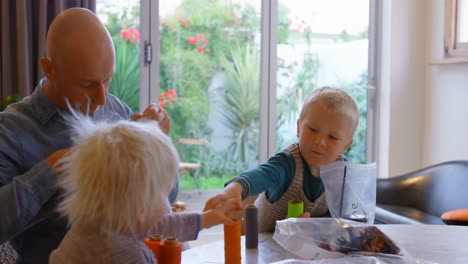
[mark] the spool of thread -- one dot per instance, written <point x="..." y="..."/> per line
<point x="232" y="243"/>
<point x="154" y="244"/>
<point x="295" y="208"/>
<point x="170" y="251"/>
<point x="251" y="227"/>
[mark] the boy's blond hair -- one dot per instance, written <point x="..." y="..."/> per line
<point x="118" y="176"/>
<point x="333" y="99"/>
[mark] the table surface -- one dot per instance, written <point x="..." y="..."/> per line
<point x="436" y="243"/>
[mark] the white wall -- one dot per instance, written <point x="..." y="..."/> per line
<point x="402" y="86"/>
<point x="423" y="108"/>
<point x="446" y="98"/>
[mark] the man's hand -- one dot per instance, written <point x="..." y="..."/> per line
<point x="224" y="213"/>
<point x="55" y="157"/>
<point x="156" y="113"/>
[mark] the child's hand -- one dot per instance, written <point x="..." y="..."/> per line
<point x="224" y="213"/>
<point x="303" y="215"/>
<point x="232" y="191"/>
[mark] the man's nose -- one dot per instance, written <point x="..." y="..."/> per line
<point x="100" y="95"/>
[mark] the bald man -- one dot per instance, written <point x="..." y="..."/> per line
<point x="34" y="135"/>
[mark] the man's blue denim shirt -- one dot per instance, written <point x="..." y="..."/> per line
<point x="30" y="131"/>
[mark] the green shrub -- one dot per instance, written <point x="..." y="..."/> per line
<point x="189" y="73"/>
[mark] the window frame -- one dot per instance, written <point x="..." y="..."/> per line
<point x="453" y="48"/>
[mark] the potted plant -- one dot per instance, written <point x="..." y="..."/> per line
<point x="8" y="100"/>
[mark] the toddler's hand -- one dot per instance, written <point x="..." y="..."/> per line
<point x="232" y="191"/>
<point x="224" y="213"/>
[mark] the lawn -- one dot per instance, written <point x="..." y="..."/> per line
<point x="205" y="183"/>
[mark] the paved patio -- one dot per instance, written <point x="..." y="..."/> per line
<point x="195" y="201"/>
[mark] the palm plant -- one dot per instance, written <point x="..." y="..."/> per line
<point x="241" y="101"/>
<point x="126" y="80"/>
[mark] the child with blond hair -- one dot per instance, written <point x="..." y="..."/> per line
<point x="116" y="180"/>
<point x="325" y="128"/>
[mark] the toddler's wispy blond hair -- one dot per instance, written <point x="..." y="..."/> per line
<point x="333" y="99"/>
<point x="117" y="175"/>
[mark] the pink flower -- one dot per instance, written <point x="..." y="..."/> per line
<point x="172" y="93"/>
<point x="167" y="98"/>
<point x="184" y="22"/>
<point x="135" y="34"/>
<point x="200" y="36"/>
<point x="125" y="34"/>
<point x="192" y="41"/>
<point x="130" y="35"/>
<point x="200" y="49"/>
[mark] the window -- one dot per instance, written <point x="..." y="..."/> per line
<point x="235" y="72"/>
<point x="122" y="19"/>
<point x="456" y="28"/>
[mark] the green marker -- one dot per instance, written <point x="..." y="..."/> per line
<point x="295" y="208"/>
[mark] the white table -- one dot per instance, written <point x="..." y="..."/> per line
<point x="437" y="243"/>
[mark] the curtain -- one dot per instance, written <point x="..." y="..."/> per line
<point x="23" y="30"/>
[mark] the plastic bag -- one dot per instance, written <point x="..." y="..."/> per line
<point x="351" y="190"/>
<point x="331" y="240"/>
<point x="313" y="238"/>
<point x="359" y="259"/>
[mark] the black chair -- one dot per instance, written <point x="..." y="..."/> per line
<point x="421" y="196"/>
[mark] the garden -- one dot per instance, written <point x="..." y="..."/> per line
<point x="207" y="46"/>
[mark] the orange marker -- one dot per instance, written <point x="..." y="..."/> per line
<point x="170" y="251"/>
<point x="154" y="243"/>
<point x="232" y="243"/>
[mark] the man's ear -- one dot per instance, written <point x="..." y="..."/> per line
<point x="47" y="68"/>
<point x="298" y="131"/>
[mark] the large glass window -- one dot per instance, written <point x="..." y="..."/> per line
<point x="209" y="81"/>
<point x="321" y="45"/>
<point x="207" y="66"/>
